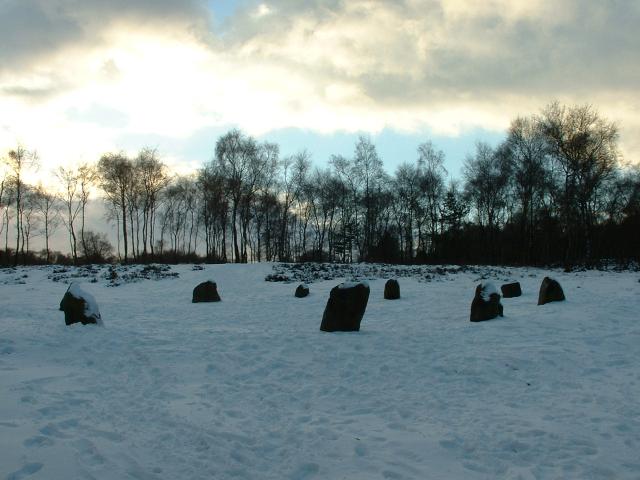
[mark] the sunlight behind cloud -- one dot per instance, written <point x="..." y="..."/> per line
<point x="262" y="11"/>
<point x="443" y="66"/>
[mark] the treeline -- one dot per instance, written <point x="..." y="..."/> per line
<point x="554" y="191"/>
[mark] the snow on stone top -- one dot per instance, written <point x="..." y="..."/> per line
<point x="91" y="306"/>
<point x="487" y="290"/>
<point x="344" y="285"/>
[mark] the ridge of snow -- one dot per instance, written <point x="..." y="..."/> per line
<point x="487" y="290"/>
<point x="345" y="285"/>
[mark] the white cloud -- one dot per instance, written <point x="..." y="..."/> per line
<point x="360" y="65"/>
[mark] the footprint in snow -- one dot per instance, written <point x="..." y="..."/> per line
<point x="26" y="471"/>
<point x="38" y="441"/>
<point x="360" y="450"/>
<point x="306" y="470"/>
<point x="50" y="430"/>
<point x="111" y="436"/>
<point x="88" y="452"/>
<point x="392" y="475"/>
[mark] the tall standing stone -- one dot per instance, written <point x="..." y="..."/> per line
<point x="550" y="291"/>
<point x="345" y="307"/>
<point x="206" y="292"/>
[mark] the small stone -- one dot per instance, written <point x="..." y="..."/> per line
<point x="302" y="291"/>
<point x="510" y="290"/>
<point x="392" y="290"/>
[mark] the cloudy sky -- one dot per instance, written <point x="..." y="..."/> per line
<point x="82" y="77"/>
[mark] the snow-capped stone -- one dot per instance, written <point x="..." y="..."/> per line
<point x="487" y="290"/>
<point x="347" y="285"/>
<point x="486" y="303"/>
<point x="79" y="306"/>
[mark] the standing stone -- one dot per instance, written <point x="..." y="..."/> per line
<point x="79" y="307"/>
<point x="206" y="292"/>
<point x="392" y="290"/>
<point x="302" y="291"/>
<point x="510" y="290"/>
<point x="486" y="303"/>
<point x="345" y="307"/>
<point x="550" y="291"/>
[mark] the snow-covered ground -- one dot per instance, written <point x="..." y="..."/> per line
<point x="250" y="388"/>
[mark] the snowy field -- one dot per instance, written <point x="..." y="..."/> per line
<point x="249" y="388"/>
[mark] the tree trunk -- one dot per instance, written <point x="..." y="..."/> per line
<point x="18" y="227"/>
<point x="124" y="227"/>
<point x="234" y="232"/>
<point x="84" y="243"/>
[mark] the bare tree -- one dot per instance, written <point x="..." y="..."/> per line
<point x="431" y="171"/>
<point x="406" y="187"/>
<point x="133" y="198"/>
<point x="18" y="161"/>
<point x="320" y="194"/>
<point x="49" y="207"/>
<point x="348" y="191"/>
<point x="215" y="207"/>
<point x="6" y="199"/>
<point x="234" y="155"/>
<point x="96" y="247"/>
<point x="115" y="172"/>
<point x="87" y="176"/>
<point x="583" y="146"/>
<point x="7" y="215"/>
<point x="368" y="168"/>
<point x="528" y="149"/>
<point x="260" y="168"/>
<point x="72" y="205"/>
<point x="178" y="202"/>
<point x="153" y="178"/>
<point x="293" y="170"/>
<point x="487" y="175"/>
<point x="30" y="220"/>
<point x="302" y="166"/>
